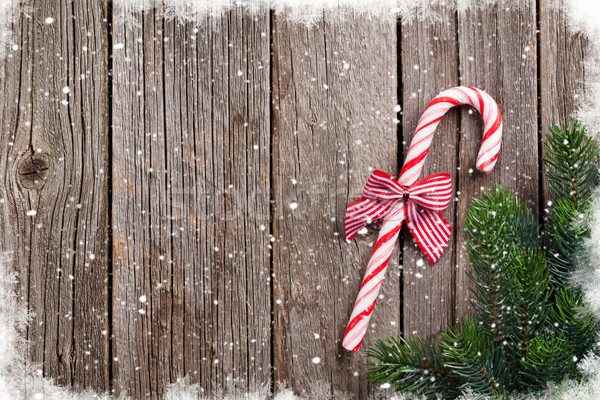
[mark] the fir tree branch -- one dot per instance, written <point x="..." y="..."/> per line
<point x="412" y="366"/>
<point x="476" y="359"/>
<point x="572" y="156"/>
<point x="500" y="233"/>
<point x="550" y="359"/>
<point x="571" y="319"/>
<point x="572" y="173"/>
<point x="532" y="306"/>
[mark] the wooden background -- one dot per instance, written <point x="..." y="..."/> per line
<point x="165" y="242"/>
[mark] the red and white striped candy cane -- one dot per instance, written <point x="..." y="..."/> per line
<point x="419" y="147"/>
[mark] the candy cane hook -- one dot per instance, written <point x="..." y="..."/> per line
<point x="419" y="203"/>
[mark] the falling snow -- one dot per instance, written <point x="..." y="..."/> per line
<point x="15" y="372"/>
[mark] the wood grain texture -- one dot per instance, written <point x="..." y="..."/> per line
<point x="54" y="191"/>
<point x="217" y="182"/>
<point x="561" y="71"/>
<point x="561" y="68"/>
<point x="497" y="53"/>
<point x="334" y="91"/>
<point x="429" y="66"/>
<point x="191" y="202"/>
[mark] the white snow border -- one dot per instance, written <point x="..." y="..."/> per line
<point x="19" y="379"/>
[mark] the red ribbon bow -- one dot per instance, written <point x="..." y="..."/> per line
<point x="423" y="204"/>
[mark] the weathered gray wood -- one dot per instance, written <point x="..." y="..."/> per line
<point x="561" y="69"/>
<point x="191" y="202"/>
<point x="334" y="91"/>
<point x="142" y="251"/>
<point x="497" y="49"/>
<point x="430" y="65"/>
<point x="53" y="163"/>
<point x="192" y="180"/>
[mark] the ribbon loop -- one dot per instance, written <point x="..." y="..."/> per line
<point x="433" y="192"/>
<point x="424" y="201"/>
<point x="382" y="187"/>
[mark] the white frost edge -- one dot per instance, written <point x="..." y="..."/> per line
<point x="19" y="379"/>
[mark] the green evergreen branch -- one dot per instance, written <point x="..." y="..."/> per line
<point x="476" y="359"/>
<point x="500" y="232"/>
<point x="572" y="156"/>
<point x="571" y="318"/>
<point x="550" y="359"/>
<point x="412" y="366"/>
<point x="531" y="302"/>
<point x="573" y="175"/>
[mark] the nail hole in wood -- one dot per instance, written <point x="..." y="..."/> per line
<point x="34" y="170"/>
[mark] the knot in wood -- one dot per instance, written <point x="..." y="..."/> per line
<point x="34" y="170"/>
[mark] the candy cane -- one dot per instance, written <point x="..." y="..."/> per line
<point x="382" y="199"/>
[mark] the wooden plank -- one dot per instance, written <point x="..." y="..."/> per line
<point x="430" y="65"/>
<point x="142" y="251"/>
<point x="334" y="91"/>
<point x="191" y="202"/>
<point x="54" y="188"/>
<point x="561" y="69"/>
<point x="498" y="54"/>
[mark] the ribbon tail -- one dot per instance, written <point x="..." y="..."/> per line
<point x="430" y="230"/>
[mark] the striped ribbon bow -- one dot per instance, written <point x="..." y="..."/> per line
<point x="423" y="203"/>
